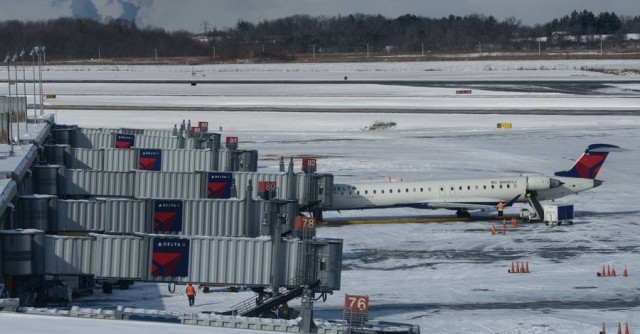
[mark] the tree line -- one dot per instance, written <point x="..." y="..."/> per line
<point x="80" y="38"/>
<point x="75" y="38"/>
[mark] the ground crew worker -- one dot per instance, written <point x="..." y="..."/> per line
<point x="500" y="209"/>
<point x="191" y="294"/>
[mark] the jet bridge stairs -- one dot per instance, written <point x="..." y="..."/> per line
<point x="260" y="307"/>
<point x="535" y="204"/>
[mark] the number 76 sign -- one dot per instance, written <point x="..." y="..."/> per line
<point x="356" y="304"/>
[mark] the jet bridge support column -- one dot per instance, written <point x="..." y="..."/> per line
<point x="292" y="187"/>
<point x="275" y="219"/>
<point x="307" y="325"/>
<point x="309" y="167"/>
<point x="305" y="229"/>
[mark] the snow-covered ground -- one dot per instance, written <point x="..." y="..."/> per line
<point x="446" y="277"/>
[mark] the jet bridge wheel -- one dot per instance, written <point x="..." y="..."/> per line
<point x="462" y="213"/>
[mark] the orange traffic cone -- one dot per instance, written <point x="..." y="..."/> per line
<point x="504" y="228"/>
<point x="613" y="271"/>
<point x="512" y="268"/>
<point x="619" y="328"/>
<point x="626" y="328"/>
<point x="493" y="230"/>
<point x="526" y="268"/>
<point x="604" y="331"/>
<point x="604" y="272"/>
<point x="514" y="222"/>
<point x="624" y="271"/>
<point x="523" y="270"/>
<point x="608" y="271"/>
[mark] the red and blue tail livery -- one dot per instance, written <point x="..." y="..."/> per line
<point x="463" y="195"/>
<point x="589" y="164"/>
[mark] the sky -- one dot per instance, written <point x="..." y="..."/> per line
<point x="191" y="14"/>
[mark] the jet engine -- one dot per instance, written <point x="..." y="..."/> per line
<point x="542" y="183"/>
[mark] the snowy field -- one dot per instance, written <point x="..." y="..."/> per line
<point x="445" y="277"/>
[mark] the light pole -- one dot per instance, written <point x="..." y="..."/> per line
<point x="24" y="90"/>
<point x="6" y="60"/>
<point x="42" y="48"/>
<point x="33" y="70"/>
<point x="17" y="104"/>
<point x="539" y="48"/>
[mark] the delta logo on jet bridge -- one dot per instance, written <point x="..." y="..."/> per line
<point x="150" y="159"/>
<point x="124" y="141"/>
<point x="219" y="185"/>
<point x="167" y="216"/>
<point x="170" y="257"/>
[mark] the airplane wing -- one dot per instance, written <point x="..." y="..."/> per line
<point x="468" y="204"/>
<point x="459" y="205"/>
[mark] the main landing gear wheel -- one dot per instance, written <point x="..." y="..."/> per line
<point x="462" y="213"/>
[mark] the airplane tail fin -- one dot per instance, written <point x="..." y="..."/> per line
<point x="588" y="166"/>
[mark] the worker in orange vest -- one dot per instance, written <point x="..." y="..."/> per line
<point x="500" y="207"/>
<point x="191" y="294"/>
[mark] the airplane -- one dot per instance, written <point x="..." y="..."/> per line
<point x="463" y="195"/>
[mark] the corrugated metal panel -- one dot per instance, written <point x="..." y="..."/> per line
<point x="97" y="130"/>
<point x="241" y="261"/>
<point x="120" y="160"/>
<point x="126" y="216"/>
<point x="302" y="190"/>
<point x="182" y="160"/>
<point x="150" y="132"/>
<point x="95" y="140"/>
<point x="68" y="255"/>
<point x="292" y="263"/>
<point x="98" y="183"/>
<point x="86" y="158"/>
<point x="81" y="215"/>
<point x="119" y="256"/>
<point x="225" y="218"/>
<point x="168" y="185"/>
<point x="146" y="141"/>
<point x="224" y="155"/>
<point x="159" y="133"/>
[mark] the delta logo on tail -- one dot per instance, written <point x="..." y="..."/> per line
<point x="170" y="257"/>
<point x="589" y="164"/>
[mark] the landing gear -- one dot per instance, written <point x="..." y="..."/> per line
<point x="462" y="213"/>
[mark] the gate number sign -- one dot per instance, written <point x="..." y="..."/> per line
<point x="356" y="304"/>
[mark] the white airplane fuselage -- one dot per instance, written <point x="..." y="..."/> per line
<point x="455" y="194"/>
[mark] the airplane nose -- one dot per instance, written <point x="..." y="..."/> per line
<point x="597" y="183"/>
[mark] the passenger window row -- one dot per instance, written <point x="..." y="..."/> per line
<point x="342" y="190"/>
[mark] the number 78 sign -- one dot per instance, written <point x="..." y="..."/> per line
<point x="356" y="304"/>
